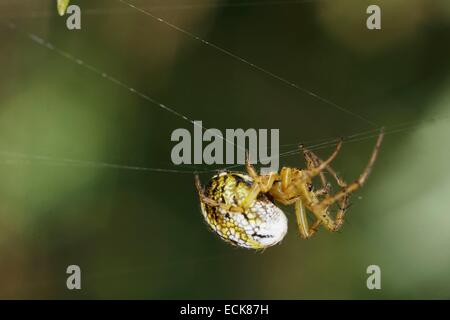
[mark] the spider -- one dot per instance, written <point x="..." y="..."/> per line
<point x="240" y="207"/>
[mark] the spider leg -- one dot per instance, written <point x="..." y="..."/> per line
<point x="302" y="221"/>
<point x="288" y="202"/>
<point x="340" y="215"/>
<point x="286" y="178"/>
<point x="323" y="191"/>
<point x="264" y="182"/>
<point x="213" y="203"/>
<point x="330" y="170"/>
<point x="261" y="184"/>
<point x="252" y="196"/>
<point x="313" y="162"/>
<point x="316" y="170"/>
<point x="343" y="203"/>
<point x="347" y="190"/>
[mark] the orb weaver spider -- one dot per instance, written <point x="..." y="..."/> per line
<point x="240" y="207"/>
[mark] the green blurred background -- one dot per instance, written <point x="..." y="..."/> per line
<point x="140" y="234"/>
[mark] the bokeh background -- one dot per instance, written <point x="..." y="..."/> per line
<point x="139" y="234"/>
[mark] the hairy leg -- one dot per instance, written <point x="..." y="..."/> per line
<point x="355" y="185"/>
<point x="346" y="190"/>
<point x="317" y="170"/>
<point x="302" y="221"/>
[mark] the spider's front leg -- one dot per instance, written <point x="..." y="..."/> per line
<point x="317" y="161"/>
<point x="316" y="166"/>
<point x="346" y="190"/>
<point x="260" y="183"/>
<point x="312" y="172"/>
<point x="312" y="161"/>
<point x="264" y="182"/>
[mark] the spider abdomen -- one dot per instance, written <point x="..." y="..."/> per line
<point x="262" y="225"/>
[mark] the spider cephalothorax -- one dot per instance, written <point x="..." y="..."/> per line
<point x="240" y="207"/>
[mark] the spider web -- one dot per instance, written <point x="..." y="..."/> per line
<point x="292" y="147"/>
<point x="74" y="162"/>
<point x="312" y="145"/>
